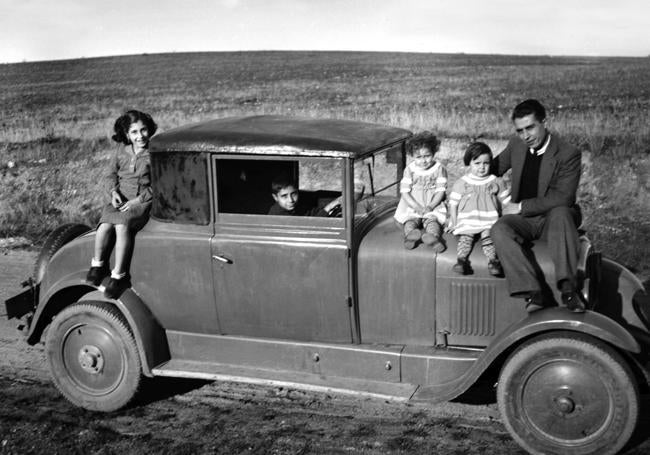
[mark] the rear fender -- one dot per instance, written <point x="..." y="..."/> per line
<point x="149" y="335"/>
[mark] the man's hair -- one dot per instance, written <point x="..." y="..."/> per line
<point x="527" y="107"/>
<point x="124" y="122"/>
<point x="282" y="181"/>
<point x="474" y="150"/>
<point x="425" y="139"/>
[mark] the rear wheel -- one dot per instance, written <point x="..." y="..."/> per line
<point x="568" y="394"/>
<point x="93" y="357"/>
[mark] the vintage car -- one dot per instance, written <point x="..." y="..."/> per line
<point x="223" y="290"/>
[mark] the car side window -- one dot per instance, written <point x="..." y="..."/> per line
<point x="246" y="186"/>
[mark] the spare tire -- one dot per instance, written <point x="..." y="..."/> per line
<point x="57" y="238"/>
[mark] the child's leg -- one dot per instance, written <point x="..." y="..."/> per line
<point x="123" y="251"/>
<point x="487" y="246"/>
<point x="463" y="250"/>
<point x="410" y="226"/>
<point x="412" y="233"/>
<point x="433" y="235"/>
<point x="494" y="266"/>
<point x="465" y="244"/>
<point x="104" y="240"/>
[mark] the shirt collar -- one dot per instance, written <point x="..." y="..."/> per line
<point x="543" y="148"/>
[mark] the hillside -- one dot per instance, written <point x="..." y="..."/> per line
<point x="56" y="118"/>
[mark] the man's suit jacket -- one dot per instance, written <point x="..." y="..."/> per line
<point x="559" y="174"/>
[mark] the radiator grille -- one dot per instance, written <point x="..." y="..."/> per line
<point x="473" y="309"/>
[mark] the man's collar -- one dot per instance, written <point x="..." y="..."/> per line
<point x="542" y="149"/>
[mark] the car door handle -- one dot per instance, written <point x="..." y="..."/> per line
<point x="222" y="259"/>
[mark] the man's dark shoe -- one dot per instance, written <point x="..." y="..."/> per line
<point x="534" y="302"/>
<point x="115" y="287"/>
<point x="97" y="274"/>
<point x="571" y="298"/>
<point x="495" y="269"/>
<point x="462" y="267"/>
<point x="573" y="301"/>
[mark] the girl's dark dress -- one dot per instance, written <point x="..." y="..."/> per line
<point x="130" y="175"/>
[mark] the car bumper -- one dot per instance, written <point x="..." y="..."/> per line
<point x="22" y="306"/>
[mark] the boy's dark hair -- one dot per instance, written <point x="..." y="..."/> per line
<point x="425" y="139"/>
<point x="527" y="107"/>
<point x="124" y="121"/>
<point x="476" y="149"/>
<point x="282" y="181"/>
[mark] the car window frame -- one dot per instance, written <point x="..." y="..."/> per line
<point x="265" y="220"/>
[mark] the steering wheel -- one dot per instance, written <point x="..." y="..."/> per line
<point x="335" y="212"/>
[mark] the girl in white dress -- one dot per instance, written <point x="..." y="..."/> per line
<point x="421" y="211"/>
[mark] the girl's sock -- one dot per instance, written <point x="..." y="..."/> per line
<point x="95" y="263"/>
<point x="117" y="275"/>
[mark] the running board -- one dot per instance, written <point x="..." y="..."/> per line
<point x="290" y="379"/>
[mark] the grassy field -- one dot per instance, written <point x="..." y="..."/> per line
<point x="57" y="116"/>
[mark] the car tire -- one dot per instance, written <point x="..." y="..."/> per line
<point x="568" y="393"/>
<point x="93" y="357"/>
<point x="57" y="238"/>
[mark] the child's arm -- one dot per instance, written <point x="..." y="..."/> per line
<point x="454" y="198"/>
<point x="405" y="190"/>
<point x="440" y="189"/>
<point x="411" y="202"/>
<point x="453" y="216"/>
<point x="112" y="181"/>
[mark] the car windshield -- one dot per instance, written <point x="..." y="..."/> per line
<point x="376" y="180"/>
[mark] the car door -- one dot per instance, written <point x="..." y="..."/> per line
<point x="280" y="276"/>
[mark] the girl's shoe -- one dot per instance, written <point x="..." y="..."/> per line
<point x="462" y="267"/>
<point x="115" y="287"/>
<point x="495" y="269"/>
<point x="412" y="238"/>
<point x="97" y="274"/>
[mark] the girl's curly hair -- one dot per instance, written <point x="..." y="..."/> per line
<point x="425" y="139"/>
<point x="123" y="123"/>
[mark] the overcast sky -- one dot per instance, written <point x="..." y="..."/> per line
<point x="59" y="29"/>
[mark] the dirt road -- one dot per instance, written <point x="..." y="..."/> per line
<point x="190" y="417"/>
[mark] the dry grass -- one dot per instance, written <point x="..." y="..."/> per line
<point x="56" y="118"/>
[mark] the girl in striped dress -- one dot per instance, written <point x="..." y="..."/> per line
<point x="475" y="204"/>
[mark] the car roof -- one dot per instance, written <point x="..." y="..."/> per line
<point x="279" y="135"/>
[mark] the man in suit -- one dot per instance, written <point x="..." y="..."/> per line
<point x="545" y="177"/>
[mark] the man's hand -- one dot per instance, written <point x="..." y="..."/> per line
<point x="513" y="208"/>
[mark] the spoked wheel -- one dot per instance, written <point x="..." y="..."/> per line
<point x="93" y="357"/>
<point x="568" y="393"/>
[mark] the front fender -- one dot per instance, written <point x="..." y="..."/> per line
<point x="548" y="320"/>
<point x="589" y="322"/>
<point x="149" y="335"/>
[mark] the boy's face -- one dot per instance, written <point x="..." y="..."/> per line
<point x="423" y="157"/>
<point x="287" y="197"/>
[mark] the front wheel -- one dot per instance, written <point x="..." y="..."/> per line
<point x="93" y="357"/>
<point x="568" y="393"/>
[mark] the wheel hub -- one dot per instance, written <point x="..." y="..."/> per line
<point x="91" y="359"/>
<point x="565" y="405"/>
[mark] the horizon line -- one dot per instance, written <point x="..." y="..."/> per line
<point x="328" y="51"/>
